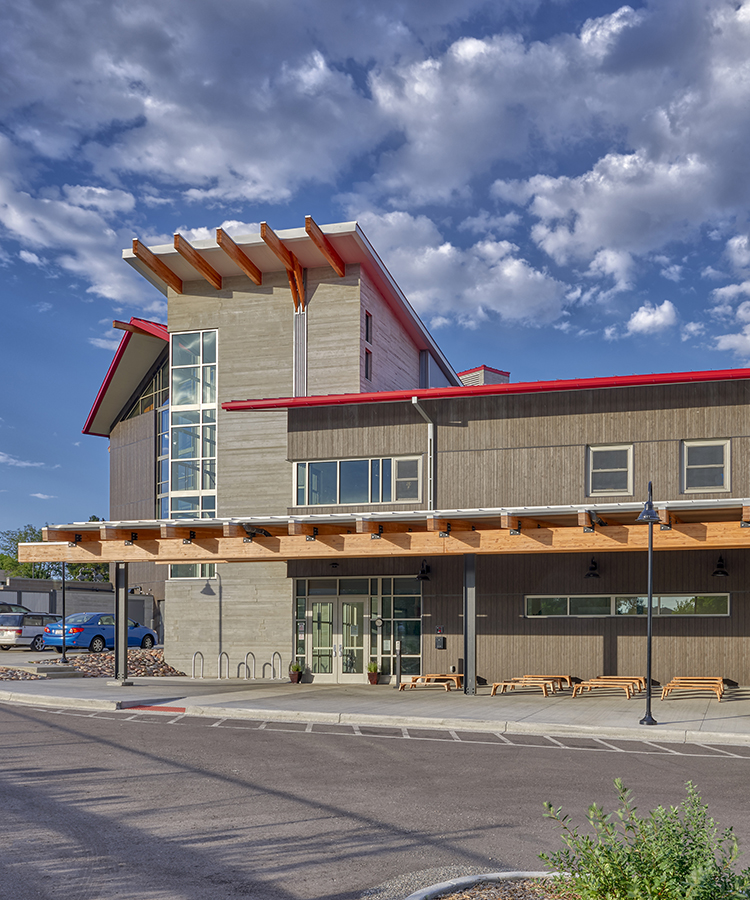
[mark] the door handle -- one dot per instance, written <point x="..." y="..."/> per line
<point x="341" y="649"/>
<point x="334" y="651"/>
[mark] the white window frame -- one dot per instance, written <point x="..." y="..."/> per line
<point x="716" y="442"/>
<point x="394" y="460"/>
<point x="613" y="598"/>
<point x="595" y="448"/>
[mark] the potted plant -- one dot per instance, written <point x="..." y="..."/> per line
<point x="295" y="672"/>
<point x="372" y="672"/>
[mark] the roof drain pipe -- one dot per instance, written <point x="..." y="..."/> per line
<point x="430" y="453"/>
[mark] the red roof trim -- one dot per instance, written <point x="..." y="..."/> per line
<point x="484" y="390"/>
<point x="153" y="328"/>
<point x="484" y="369"/>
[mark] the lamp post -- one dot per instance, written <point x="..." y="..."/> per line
<point x="651" y="517"/>
<point x="63" y="657"/>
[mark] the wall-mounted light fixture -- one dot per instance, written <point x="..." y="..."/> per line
<point x="424" y="572"/>
<point x="593" y="571"/>
<point x="720" y="571"/>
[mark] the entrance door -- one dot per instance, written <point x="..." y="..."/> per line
<point x="338" y="649"/>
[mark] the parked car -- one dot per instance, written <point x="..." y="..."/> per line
<point x="6" y="607"/>
<point x="24" y="629"/>
<point x="95" y="631"/>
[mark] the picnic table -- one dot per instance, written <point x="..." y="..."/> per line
<point x="545" y="685"/>
<point x="629" y="684"/>
<point x="442" y="679"/>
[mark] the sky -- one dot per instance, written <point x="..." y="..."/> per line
<point x="560" y="187"/>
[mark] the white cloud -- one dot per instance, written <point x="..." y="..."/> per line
<point x="106" y="201"/>
<point x="738" y="251"/>
<point x="43" y="496"/>
<point x="672" y="273"/>
<point x="692" y="330"/>
<point x="442" y="279"/>
<point x="30" y="258"/>
<point x="649" y="319"/>
<point x="485" y="223"/>
<point x="739" y="343"/>
<point x="8" y="460"/>
<point x="613" y="263"/>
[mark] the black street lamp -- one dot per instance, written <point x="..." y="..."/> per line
<point x="651" y="516"/>
<point x="63" y="657"/>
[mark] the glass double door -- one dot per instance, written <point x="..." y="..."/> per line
<point x="338" y="647"/>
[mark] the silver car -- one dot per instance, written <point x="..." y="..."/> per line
<point x="24" y="630"/>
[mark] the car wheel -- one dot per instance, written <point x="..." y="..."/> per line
<point x="97" y="644"/>
<point x="37" y="645"/>
<point x="148" y="642"/>
<point x="4" y="646"/>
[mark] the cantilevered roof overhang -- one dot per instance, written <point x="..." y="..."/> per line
<point x="168" y="266"/>
<point x="594" y="528"/>
<point x="141" y="345"/>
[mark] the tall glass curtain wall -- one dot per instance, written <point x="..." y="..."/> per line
<point x="193" y="426"/>
<point x="397" y="601"/>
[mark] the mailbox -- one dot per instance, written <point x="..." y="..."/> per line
<point x="440" y="642"/>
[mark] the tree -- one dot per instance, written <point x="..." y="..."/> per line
<point x="29" y="534"/>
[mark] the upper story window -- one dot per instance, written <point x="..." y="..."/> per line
<point x="368" y="365"/>
<point x="154" y="395"/>
<point x="192" y="439"/>
<point x="378" y="480"/>
<point x="368" y="328"/>
<point x="629" y="605"/>
<point x="705" y="466"/>
<point x="610" y="469"/>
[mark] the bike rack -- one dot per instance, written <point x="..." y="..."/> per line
<point x="197" y="653"/>
<point x="218" y="664"/>
<point x="246" y="667"/>
<point x="273" y="660"/>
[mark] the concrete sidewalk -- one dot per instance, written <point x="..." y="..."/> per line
<point x="686" y="718"/>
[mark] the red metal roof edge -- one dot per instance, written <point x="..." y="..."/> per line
<point x="153" y="328"/>
<point x="483" y="390"/>
<point x="486" y="368"/>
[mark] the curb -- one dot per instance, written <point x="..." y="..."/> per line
<point x="665" y="735"/>
<point x="468" y="881"/>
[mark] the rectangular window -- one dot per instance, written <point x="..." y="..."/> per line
<point x="193" y="570"/>
<point x="663" y="605"/>
<point x="368" y="365"/>
<point x="610" y="469"/>
<point x="357" y="481"/>
<point x="705" y="465"/>
<point x="368" y="328"/>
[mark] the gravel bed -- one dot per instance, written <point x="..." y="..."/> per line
<point x="510" y="890"/>
<point x="17" y="675"/>
<point x="102" y="665"/>
<point x="404" y="885"/>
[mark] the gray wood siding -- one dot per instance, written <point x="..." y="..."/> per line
<point x="132" y="467"/>
<point x="395" y="356"/>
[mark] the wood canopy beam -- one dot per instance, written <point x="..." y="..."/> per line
<point x="188" y="252"/>
<point x="239" y="257"/>
<point x="157" y="266"/>
<point x="290" y="263"/>
<point x="325" y="246"/>
<point x="332" y="543"/>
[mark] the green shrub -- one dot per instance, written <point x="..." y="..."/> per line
<point x="671" y="854"/>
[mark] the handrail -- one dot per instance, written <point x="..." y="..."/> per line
<point x="197" y="653"/>
<point x="273" y="668"/>
<point x="247" y="668"/>
<point x="218" y="664"/>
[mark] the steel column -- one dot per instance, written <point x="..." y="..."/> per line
<point x="470" y="623"/>
<point x="121" y="624"/>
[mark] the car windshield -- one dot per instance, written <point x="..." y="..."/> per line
<point x="12" y="608"/>
<point x="79" y="618"/>
<point x="9" y="619"/>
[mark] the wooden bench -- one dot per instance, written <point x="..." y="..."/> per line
<point x="698" y="683"/>
<point x="579" y="688"/>
<point x="443" y="680"/>
<point x="556" y="680"/>
<point x="544" y="686"/>
<point x="637" y="682"/>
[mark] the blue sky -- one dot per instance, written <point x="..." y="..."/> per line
<point x="560" y="188"/>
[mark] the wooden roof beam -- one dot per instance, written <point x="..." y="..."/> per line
<point x="290" y="263"/>
<point x="191" y="255"/>
<point x="239" y="257"/>
<point x="157" y="266"/>
<point x="324" y="245"/>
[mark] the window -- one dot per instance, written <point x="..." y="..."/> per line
<point x="663" y="605"/>
<point x="358" y="481"/>
<point x="610" y="469"/>
<point x="368" y="365"/>
<point x="193" y="570"/>
<point x="368" y="328"/>
<point x="705" y="466"/>
<point x="189" y="470"/>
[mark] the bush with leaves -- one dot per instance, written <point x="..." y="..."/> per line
<point x="671" y="854"/>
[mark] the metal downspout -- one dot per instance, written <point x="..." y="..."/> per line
<point x="430" y="453"/>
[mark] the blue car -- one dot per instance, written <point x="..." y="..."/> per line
<point x="94" y="632"/>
